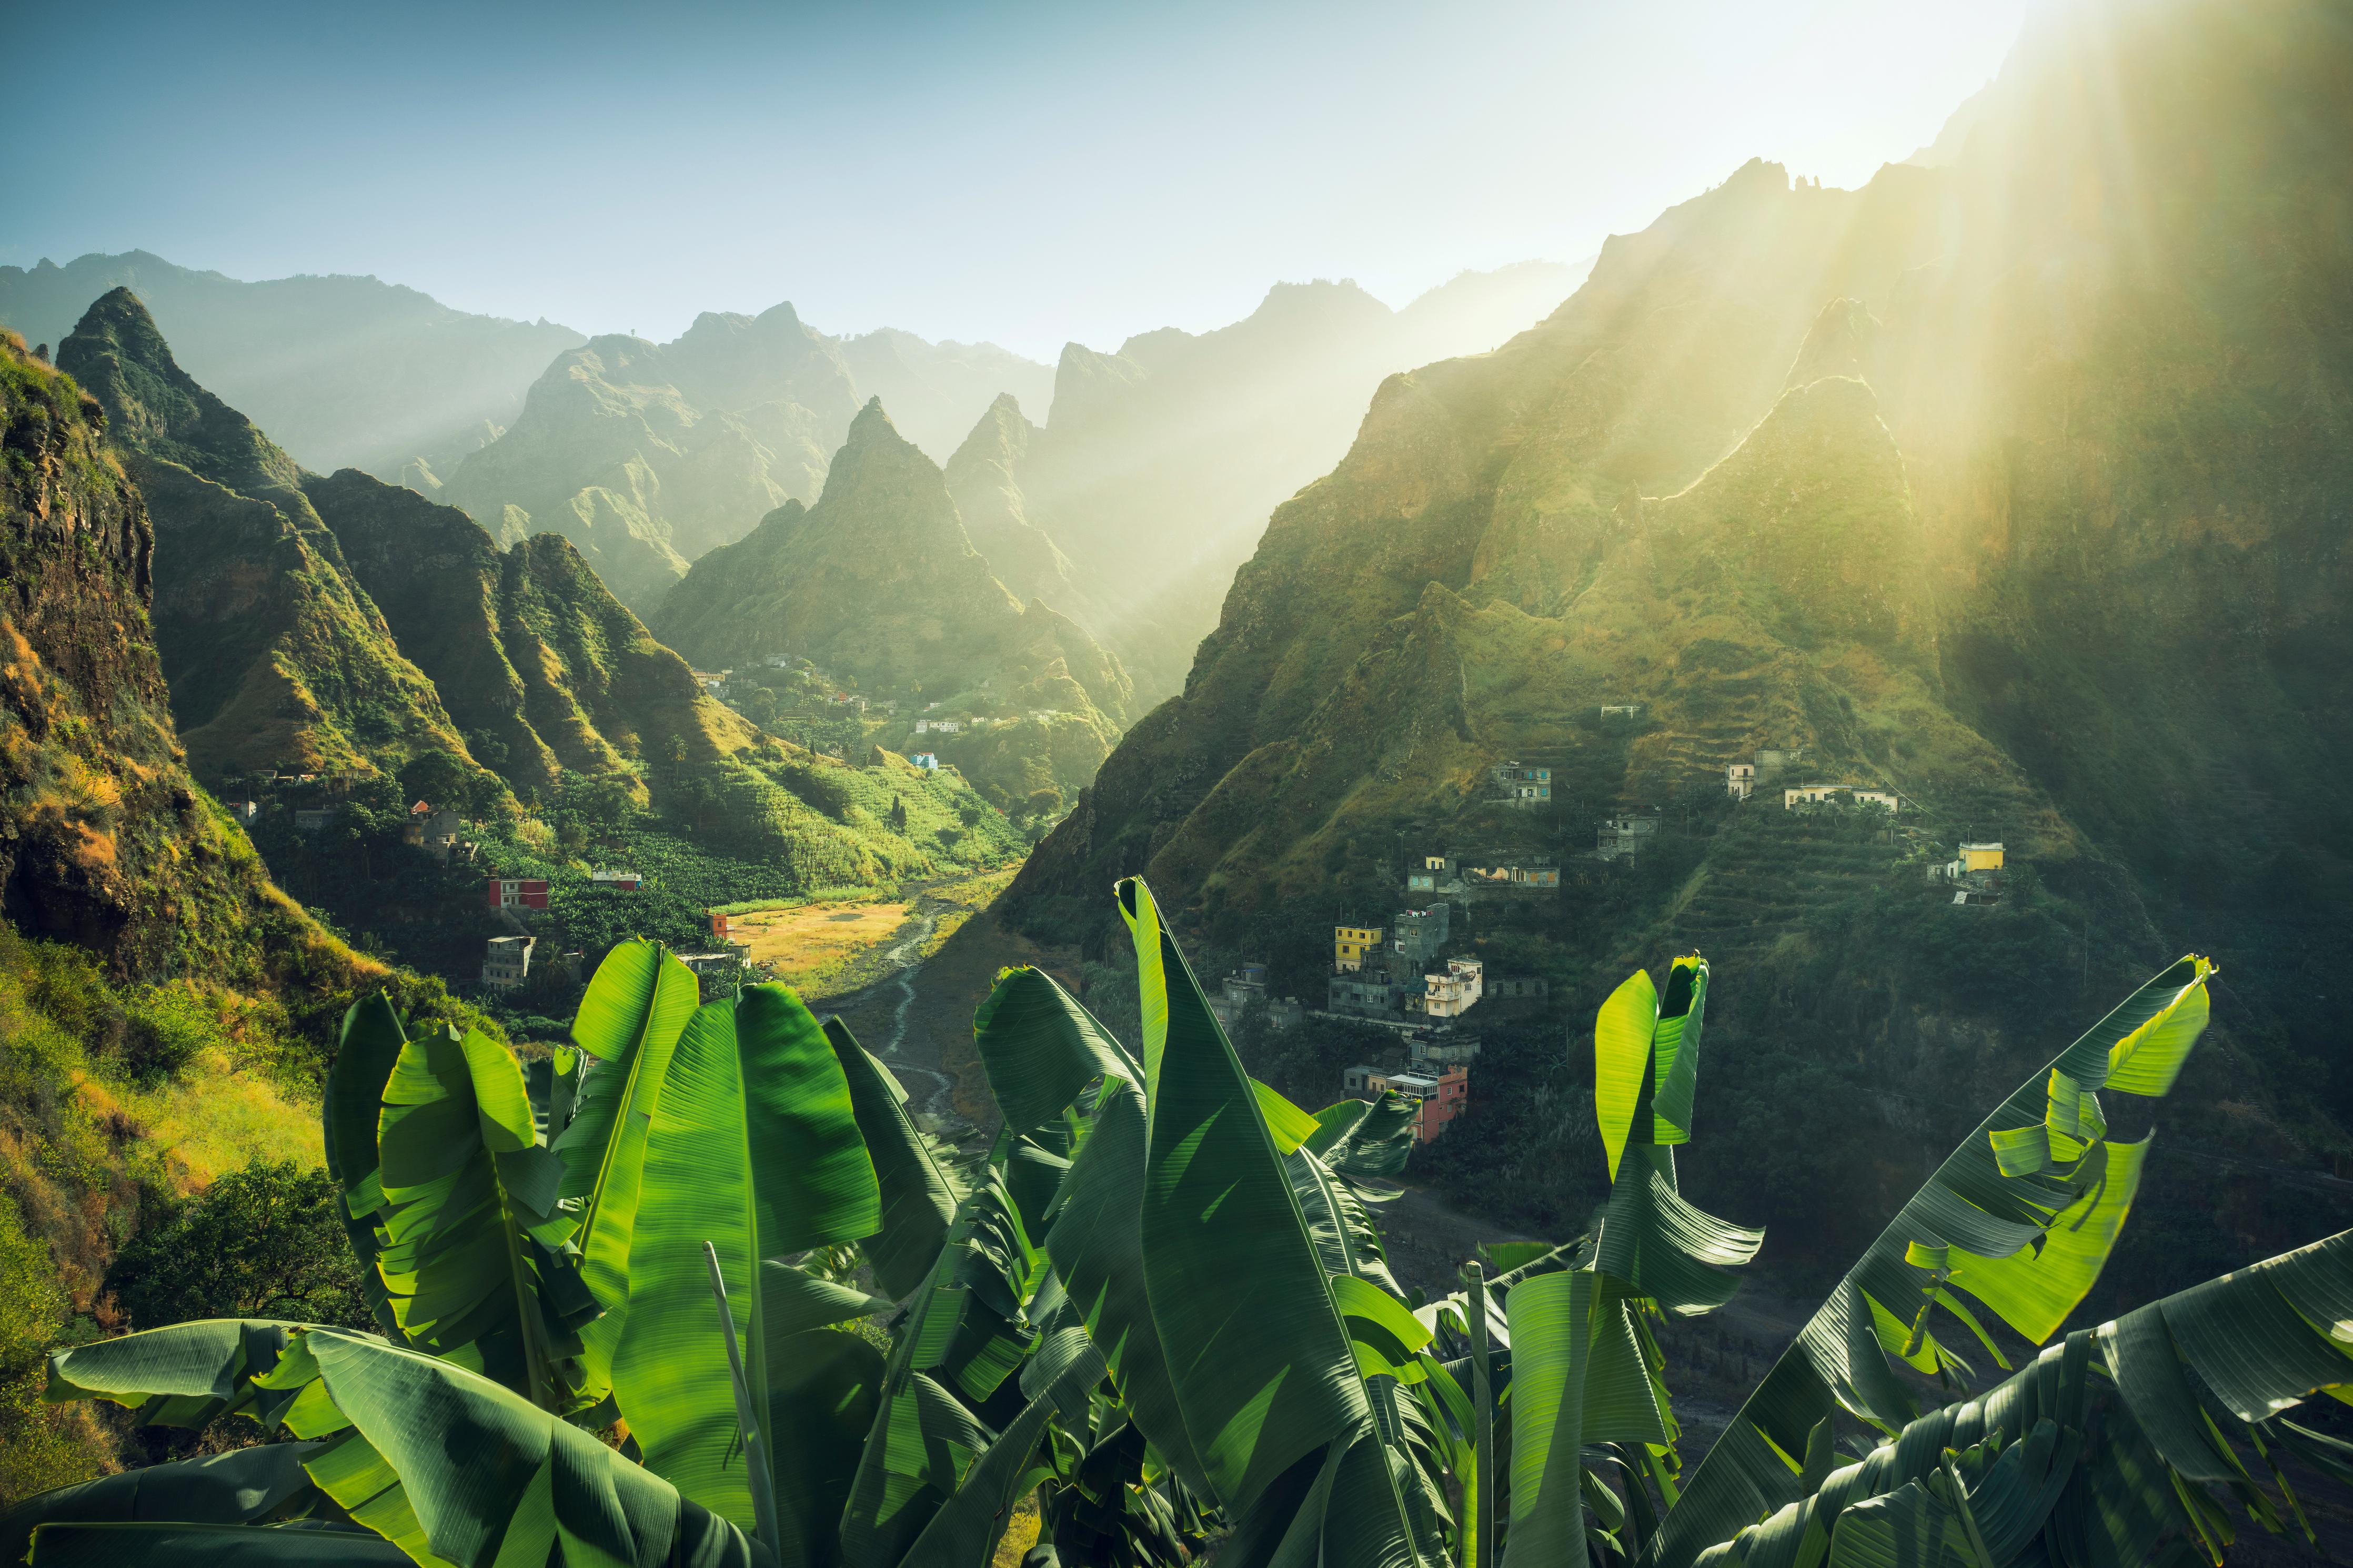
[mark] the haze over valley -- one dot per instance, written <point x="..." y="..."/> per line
<point x="1141" y="918"/>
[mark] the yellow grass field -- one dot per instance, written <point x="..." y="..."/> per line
<point x="816" y="947"/>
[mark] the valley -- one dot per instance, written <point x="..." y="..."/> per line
<point x="1078" y="899"/>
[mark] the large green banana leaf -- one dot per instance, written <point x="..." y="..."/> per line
<point x="1263" y="1365"/>
<point x="473" y="1247"/>
<point x="2103" y="1450"/>
<point x="445" y="1462"/>
<point x="370" y="1045"/>
<point x="918" y="1196"/>
<point x="1040" y="1048"/>
<point x="637" y="1004"/>
<point x="1031" y="1032"/>
<point x="188" y="1375"/>
<point x="246" y="1486"/>
<point x="1646" y="1080"/>
<point x="1579" y="1377"/>
<point x="752" y="1147"/>
<point x="190" y="1545"/>
<point x="2021" y="1216"/>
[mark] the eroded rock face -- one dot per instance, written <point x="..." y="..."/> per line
<point x="105" y="841"/>
<point x="2013" y="484"/>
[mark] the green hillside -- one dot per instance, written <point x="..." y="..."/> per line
<point x="2004" y="486"/>
<point x="165" y="1011"/>
<point x="878" y="585"/>
<point x="276" y="658"/>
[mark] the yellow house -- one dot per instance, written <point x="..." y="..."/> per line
<point x="1350" y="944"/>
<point x="1982" y="857"/>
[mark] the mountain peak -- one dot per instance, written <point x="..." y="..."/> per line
<point x="873" y="427"/>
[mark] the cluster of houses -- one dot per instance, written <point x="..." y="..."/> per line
<point x="1391" y="974"/>
<point x="1468" y="876"/>
<point x="1245" y="989"/>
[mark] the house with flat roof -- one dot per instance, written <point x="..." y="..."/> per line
<point x="1841" y="794"/>
<point x="1351" y="943"/>
<point x="1521" y="787"/>
<point x="506" y="963"/>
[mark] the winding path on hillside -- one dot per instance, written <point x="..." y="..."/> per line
<point x="904" y="964"/>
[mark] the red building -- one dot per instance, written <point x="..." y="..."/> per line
<point x="518" y="893"/>
<point x="1439" y="1099"/>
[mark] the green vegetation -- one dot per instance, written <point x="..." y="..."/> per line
<point x="879" y="587"/>
<point x="275" y="656"/>
<point x="1161" y="1303"/>
<point x="1914" y="493"/>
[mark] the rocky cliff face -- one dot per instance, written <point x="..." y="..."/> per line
<point x="105" y="840"/>
<point x="275" y="656"/>
<point x="2016" y="485"/>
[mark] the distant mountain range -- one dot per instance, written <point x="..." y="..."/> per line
<point x="344" y="371"/>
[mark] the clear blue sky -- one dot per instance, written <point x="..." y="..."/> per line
<point x="1026" y="172"/>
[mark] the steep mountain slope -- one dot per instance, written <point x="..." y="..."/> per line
<point x="880" y="583"/>
<point x="537" y="663"/>
<point x="983" y="480"/>
<point x="164" y="1010"/>
<point x="1159" y="464"/>
<point x="343" y="371"/>
<point x="276" y="658"/>
<point x="2019" y="486"/>
<point x="646" y="456"/>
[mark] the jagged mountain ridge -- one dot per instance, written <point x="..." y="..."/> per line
<point x="1159" y="465"/>
<point x="880" y="583"/>
<point x="291" y="604"/>
<point x="1971" y="481"/>
<point x="648" y="456"/>
<point x="342" y="370"/>
<point x="275" y="659"/>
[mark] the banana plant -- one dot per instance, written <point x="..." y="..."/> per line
<point x="2020" y="1218"/>
<point x="2108" y="1447"/>
<point x="454" y="1202"/>
<point x="1163" y="1303"/>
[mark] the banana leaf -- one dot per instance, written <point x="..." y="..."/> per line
<point x="1096" y="1246"/>
<point x="246" y="1486"/>
<point x="473" y="1246"/>
<point x="187" y="1376"/>
<point x="919" y="1196"/>
<point x="1263" y="1367"/>
<point x="447" y="1464"/>
<point x="635" y="1007"/>
<point x="2101" y="1451"/>
<point x="1040" y="1048"/>
<point x="197" y="1545"/>
<point x="2025" y="1235"/>
<point x="752" y="1146"/>
<point x="370" y="1045"/>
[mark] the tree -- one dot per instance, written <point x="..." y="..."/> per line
<point x="262" y="1242"/>
<point x="1161" y="1300"/>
